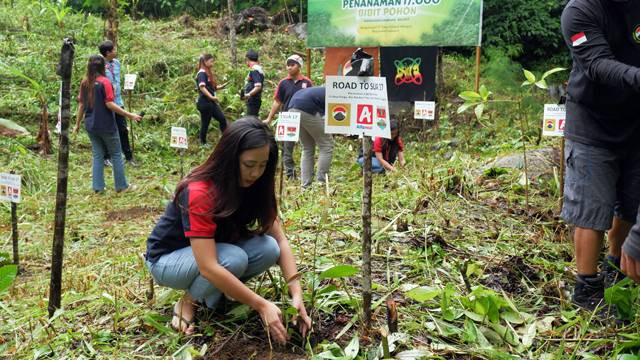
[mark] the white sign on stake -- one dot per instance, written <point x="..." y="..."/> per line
<point x="10" y="187"/>
<point x="178" y="137"/>
<point x="130" y="81"/>
<point x="425" y="110"/>
<point x="356" y="105"/>
<point x="553" y="120"/>
<point x="288" y="126"/>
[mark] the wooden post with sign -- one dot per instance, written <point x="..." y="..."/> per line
<point x="367" y="150"/>
<point x="14" y="234"/>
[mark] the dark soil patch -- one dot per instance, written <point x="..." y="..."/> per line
<point x="132" y="213"/>
<point x="253" y="349"/>
<point x="508" y="276"/>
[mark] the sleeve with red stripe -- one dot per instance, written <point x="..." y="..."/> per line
<point x="377" y="144"/>
<point x="196" y="207"/>
<point x="277" y="95"/>
<point x="108" y="89"/>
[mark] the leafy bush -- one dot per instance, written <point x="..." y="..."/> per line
<point x="527" y="31"/>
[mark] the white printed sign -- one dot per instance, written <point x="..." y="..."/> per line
<point x="553" y="120"/>
<point x="356" y="106"/>
<point x="10" y="187"/>
<point x="178" y="137"/>
<point x="130" y="81"/>
<point x="288" y="126"/>
<point x="425" y="110"/>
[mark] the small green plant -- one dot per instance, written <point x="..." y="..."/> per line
<point x="59" y="10"/>
<point x="8" y="272"/>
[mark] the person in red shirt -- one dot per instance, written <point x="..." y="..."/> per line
<point x="222" y="229"/>
<point x="97" y="107"/>
<point x="386" y="151"/>
<point x="208" y="103"/>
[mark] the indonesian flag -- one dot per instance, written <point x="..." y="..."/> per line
<point x="578" y="39"/>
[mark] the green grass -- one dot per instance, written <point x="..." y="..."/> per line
<point x="472" y="272"/>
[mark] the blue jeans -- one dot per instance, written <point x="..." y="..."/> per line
<point x="101" y="143"/>
<point x="376" y="167"/>
<point x="244" y="259"/>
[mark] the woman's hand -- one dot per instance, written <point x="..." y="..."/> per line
<point x="305" y="324"/>
<point x="272" y="318"/>
<point x="215" y="99"/>
<point x="134" y="117"/>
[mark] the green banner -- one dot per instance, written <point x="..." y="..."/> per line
<point x="343" y="23"/>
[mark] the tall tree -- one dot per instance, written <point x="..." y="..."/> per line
<point x="64" y="70"/>
<point x="111" y="29"/>
<point x="232" y="31"/>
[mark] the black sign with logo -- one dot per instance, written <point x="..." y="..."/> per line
<point x="410" y="72"/>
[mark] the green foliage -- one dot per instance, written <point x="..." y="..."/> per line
<point x="623" y="296"/>
<point x="339" y="271"/>
<point x="7" y="275"/>
<point x="527" y="31"/>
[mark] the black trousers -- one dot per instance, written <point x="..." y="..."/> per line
<point x="210" y="110"/>
<point x="121" y="123"/>
<point x="253" y="107"/>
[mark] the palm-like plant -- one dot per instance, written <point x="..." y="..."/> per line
<point x="38" y="92"/>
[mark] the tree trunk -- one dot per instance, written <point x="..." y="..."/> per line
<point x="44" y="138"/>
<point x="232" y="32"/>
<point x="366" y="234"/>
<point x="64" y="70"/>
<point x="111" y="32"/>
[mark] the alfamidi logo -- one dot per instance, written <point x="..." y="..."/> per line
<point x="636" y="34"/>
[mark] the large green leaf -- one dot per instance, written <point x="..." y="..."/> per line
<point x="552" y="71"/>
<point x="423" y="293"/>
<point x="7" y="275"/>
<point x="470" y="96"/>
<point x="339" y="271"/>
<point x="529" y="76"/>
<point x="466" y="106"/>
<point x="8" y="124"/>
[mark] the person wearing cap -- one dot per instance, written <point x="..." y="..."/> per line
<point x="386" y="151"/>
<point x="288" y="86"/>
<point x="252" y="92"/>
<point x="310" y="103"/>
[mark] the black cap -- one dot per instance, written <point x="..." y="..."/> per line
<point x="252" y="55"/>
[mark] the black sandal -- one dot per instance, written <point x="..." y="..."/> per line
<point x="181" y="321"/>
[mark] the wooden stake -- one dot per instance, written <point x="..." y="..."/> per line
<point x="309" y="63"/>
<point x="133" y="145"/>
<point x="64" y="70"/>
<point x="477" y="83"/>
<point x="366" y="233"/>
<point x="14" y="234"/>
<point x="281" y="174"/>
<point x="562" y="170"/>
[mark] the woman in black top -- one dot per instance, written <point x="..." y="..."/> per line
<point x="208" y="103"/>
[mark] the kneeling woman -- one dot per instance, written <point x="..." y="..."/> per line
<point x="222" y="229"/>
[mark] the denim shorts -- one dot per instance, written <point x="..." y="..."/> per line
<point x="599" y="183"/>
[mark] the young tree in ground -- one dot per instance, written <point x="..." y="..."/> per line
<point x="64" y="70"/>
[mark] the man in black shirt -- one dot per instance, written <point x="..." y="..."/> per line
<point x="252" y="92"/>
<point x="288" y="86"/>
<point x="602" y="151"/>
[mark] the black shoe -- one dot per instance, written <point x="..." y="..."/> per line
<point x="589" y="292"/>
<point x="611" y="272"/>
<point x="107" y="162"/>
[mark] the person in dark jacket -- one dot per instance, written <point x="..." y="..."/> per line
<point x="208" y="103"/>
<point x="252" y="92"/>
<point x="602" y="152"/>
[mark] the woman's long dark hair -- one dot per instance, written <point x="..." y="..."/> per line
<point x="201" y="66"/>
<point x="238" y="212"/>
<point x="95" y="68"/>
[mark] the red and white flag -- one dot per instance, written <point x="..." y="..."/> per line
<point x="578" y="39"/>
